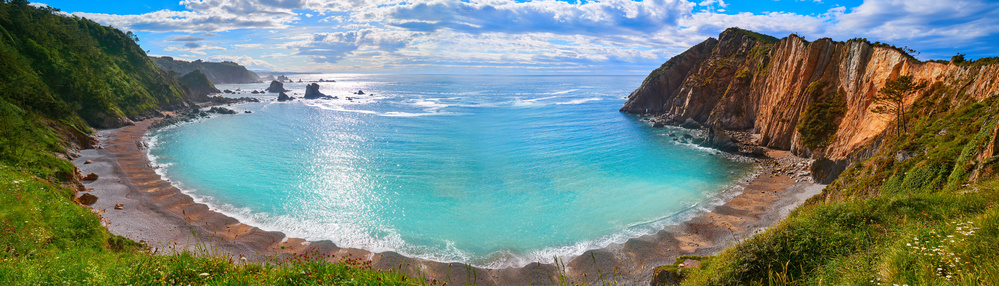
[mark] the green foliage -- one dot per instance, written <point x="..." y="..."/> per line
<point x="818" y="123"/>
<point x="862" y="229"/>
<point x="890" y="99"/>
<point x="767" y="39"/>
<point x="64" y="67"/>
<point x="216" y="72"/>
<point x="46" y="238"/>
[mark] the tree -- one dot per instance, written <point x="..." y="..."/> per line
<point x="891" y="99"/>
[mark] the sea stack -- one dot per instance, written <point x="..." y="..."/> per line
<point x="284" y="97"/>
<point x="276" y="86"/>
<point x="312" y="91"/>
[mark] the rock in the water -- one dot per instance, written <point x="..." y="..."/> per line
<point x="87" y="199"/>
<point x="359" y="92"/>
<point x="87" y="162"/>
<point x="284" y="97"/>
<point x="312" y="91"/>
<point x="247" y="111"/>
<point x="276" y="86"/>
<point x="658" y="124"/>
<point x="91" y="177"/>
<point x="221" y="110"/>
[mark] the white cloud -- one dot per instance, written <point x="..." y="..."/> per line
<point x="193" y="48"/>
<point x="422" y="33"/>
<point x="247" y="61"/>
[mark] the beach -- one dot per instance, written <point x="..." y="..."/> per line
<point x="162" y="216"/>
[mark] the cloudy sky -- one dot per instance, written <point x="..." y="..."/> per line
<point x="518" y="36"/>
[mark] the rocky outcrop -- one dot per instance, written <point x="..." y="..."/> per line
<point x="276" y="86"/>
<point x="198" y="86"/>
<point x="284" y="97"/>
<point x="217" y="72"/>
<point x="717" y="138"/>
<point x="756" y="83"/>
<point x="312" y="92"/>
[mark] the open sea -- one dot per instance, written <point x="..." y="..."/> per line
<point x="494" y="171"/>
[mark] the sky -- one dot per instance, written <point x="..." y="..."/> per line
<point x="519" y="36"/>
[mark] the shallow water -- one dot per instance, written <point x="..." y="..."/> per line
<point x="489" y="170"/>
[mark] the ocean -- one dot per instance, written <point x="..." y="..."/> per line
<point x="491" y="170"/>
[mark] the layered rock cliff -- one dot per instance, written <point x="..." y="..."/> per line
<point x="751" y="82"/>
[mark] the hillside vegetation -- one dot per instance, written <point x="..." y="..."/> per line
<point x="217" y="72"/>
<point x="58" y="77"/>
<point x="920" y="211"/>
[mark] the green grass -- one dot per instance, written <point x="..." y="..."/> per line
<point x="887" y="220"/>
<point x="46" y="238"/>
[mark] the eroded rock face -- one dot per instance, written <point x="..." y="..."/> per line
<point x="758" y="84"/>
<point x="312" y="92"/>
<point x="276" y="86"/>
<point x="284" y="97"/>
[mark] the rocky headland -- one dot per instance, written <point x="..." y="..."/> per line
<point x="744" y="81"/>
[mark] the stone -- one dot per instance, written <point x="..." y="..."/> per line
<point x="87" y="162"/>
<point x="719" y="139"/>
<point x="119" y="206"/>
<point x="901" y="155"/>
<point x="312" y="91"/>
<point x="284" y="97"/>
<point x="691" y="124"/>
<point x="658" y="124"/>
<point x="87" y="199"/>
<point x="825" y="171"/>
<point x="91" y="177"/>
<point x="276" y="86"/>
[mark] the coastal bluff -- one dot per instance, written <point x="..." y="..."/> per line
<point x="216" y="72"/>
<point x="763" y="85"/>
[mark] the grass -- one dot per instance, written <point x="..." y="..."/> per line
<point x="919" y="219"/>
<point x="46" y="238"/>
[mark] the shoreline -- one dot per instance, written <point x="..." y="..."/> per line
<point x="156" y="212"/>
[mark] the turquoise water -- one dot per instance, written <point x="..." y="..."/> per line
<point x="489" y="170"/>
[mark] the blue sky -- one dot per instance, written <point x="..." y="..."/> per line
<point x="519" y="36"/>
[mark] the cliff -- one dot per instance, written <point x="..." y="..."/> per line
<point x="217" y="73"/>
<point x="756" y="83"/>
<point x="198" y="86"/>
<point x="66" y="68"/>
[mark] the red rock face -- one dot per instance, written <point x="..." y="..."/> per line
<point x="751" y="85"/>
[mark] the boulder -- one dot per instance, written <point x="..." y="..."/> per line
<point x="119" y="206"/>
<point x="91" y="177"/>
<point x="691" y="124"/>
<point x="284" y="97"/>
<point x="276" y="86"/>
<point x="719" y="139"/>
<point x="658" y="124"/>
<point x="825" y="171"/>
<point x="312" y="91"/>
<point x="87" y="199"/>
<point x="359" y="92"/>
<point x="221" y="110"/>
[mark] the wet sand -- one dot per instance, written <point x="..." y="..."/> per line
<point x="169" y="221"/>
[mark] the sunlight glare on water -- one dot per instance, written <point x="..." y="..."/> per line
<point x="488" y="170"/>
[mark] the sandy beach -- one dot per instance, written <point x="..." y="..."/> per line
<point x="154" y="211"/>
